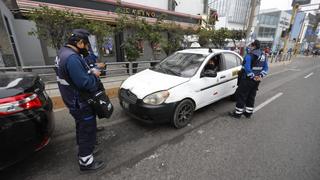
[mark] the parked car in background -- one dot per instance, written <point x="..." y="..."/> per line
<point x="179" y="85"/>
<point x="26" y="117"/>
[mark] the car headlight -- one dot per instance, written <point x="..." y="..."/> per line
<point x="156" y="98"/>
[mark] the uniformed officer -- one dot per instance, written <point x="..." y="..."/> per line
<point x="254" y="68"/>
<point x="74" y="77"/>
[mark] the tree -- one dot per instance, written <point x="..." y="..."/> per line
<point x="55" y="25"/>
<point x="52" y="25"/>
<point x="174" y="40"/>
<point x="131" y="48"/>
<point x="204" y="37"/>
<point x="219" y="37"/>
<point x="236" y="35"/>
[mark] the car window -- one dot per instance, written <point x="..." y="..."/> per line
<point x="239" y="61"/>
<point x="231" y="60"/>
<point x="181" y="64"/>
<point x="214" y="62"/>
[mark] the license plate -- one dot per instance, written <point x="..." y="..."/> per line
<point x="125" y="105"/>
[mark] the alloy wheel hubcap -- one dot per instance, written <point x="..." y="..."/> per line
<point x="184" y="114"/>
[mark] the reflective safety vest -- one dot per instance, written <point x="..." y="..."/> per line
<point x="69" y="93"/>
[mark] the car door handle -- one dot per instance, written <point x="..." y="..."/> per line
<point x="222" y="77"/>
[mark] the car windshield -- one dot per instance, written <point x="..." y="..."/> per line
<point x="180" y="64"/>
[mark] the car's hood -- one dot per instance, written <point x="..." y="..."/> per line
<point x="14" y="83"/>
<point x="148" y="81"/>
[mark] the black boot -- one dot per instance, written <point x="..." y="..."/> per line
<point x="93" y="167"/>
<point x="247" y="115"/>
<point x="234" y="115"/>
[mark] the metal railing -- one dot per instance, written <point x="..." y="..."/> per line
<point x="115" y="71"/>
<point x="280" y="57"/>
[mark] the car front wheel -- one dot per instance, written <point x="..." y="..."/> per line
<point x="183" y="114"/>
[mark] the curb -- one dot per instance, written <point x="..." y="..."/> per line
<point x="58" y="102"/>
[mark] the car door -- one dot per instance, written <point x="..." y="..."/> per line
<point x="228" y="78"/>
<point x="206" y="89"/>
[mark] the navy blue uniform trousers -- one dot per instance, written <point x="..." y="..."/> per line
<point x="246" y="93"/>
<point x="86" y="127"/>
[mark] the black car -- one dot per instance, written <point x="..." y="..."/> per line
<point x="26" y="117"/>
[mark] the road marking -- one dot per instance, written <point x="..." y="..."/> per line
<point x="293" y="69"/>
<point x="268" y="101"/>
<point x="308" y="75"/>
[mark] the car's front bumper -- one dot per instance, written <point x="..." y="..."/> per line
<point x="146" y="112"/>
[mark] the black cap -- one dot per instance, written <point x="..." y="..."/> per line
<point x="78" y="34"/>
<point x="256" y="43"/>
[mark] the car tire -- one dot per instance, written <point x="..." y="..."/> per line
<point x="183" y="114"/>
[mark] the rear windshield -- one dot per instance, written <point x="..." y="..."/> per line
<point x="14" y="80"/>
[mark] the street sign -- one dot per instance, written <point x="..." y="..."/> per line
<point x="300" y="2"/>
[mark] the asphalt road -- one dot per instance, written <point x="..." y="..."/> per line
<point x="280" y="142"/>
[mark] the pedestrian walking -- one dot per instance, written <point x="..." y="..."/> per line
<point x="254" y="68"/>
<point x="74" y="78"/>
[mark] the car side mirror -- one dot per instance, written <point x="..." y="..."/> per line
<point x="209" y="73"/>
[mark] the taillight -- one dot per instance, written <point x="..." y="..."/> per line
<point x="19" y="103"/>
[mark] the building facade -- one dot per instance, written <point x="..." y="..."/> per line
<point x="309" y="33"/>
<point x="187" y="14"/>
<point x="192" y="7"/>
<point x="271" y="24"/>
<point x="233" y="14"/>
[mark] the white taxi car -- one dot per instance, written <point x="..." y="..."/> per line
<point x="179" y="85"/>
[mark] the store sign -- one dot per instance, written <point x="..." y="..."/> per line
<point x="300" y="2"/>
<point x="138" y="12"/>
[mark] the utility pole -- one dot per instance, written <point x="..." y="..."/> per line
<point x="294" y="12"/>
<point x="251" y="18"/>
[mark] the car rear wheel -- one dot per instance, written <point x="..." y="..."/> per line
<point x="183" y="114"/>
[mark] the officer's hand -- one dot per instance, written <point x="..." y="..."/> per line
<point x="101" y="65"/>
<point x="95" y="71"/>
<point x="257" y="78"/>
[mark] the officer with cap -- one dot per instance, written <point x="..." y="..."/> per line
<point x="74" y="78"/>
<point x="254" y="68"/>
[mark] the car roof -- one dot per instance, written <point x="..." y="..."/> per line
<point x="204" y="51"/>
